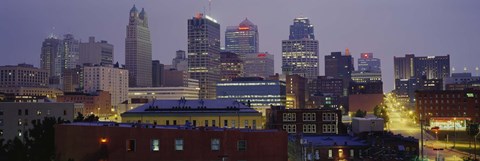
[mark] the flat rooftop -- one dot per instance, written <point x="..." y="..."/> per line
<point x="172" y="127"/>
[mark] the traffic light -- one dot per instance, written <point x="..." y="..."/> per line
<point x="472" y="129"/>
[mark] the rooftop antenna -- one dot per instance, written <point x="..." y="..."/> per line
<point x="209" y="7"/>
<point x="52" y="35"/>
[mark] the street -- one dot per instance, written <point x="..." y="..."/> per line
<point x="402" y="123"/>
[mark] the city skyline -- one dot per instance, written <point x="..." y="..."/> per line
<point x="385" y="28"/>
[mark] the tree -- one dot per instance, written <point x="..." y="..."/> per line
<point x="360" y="113"/>
<point x="16" y="150"/>
<point x="294" y="150"/>
<point x="41" y="139"/>
<point x="79" y="117"/>
<point x="89" y="118"/>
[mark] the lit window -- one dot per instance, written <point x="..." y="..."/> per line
<point x="155" y="145"/>
<point x="215" y="144"/>
<point x="330" y="153"/>
<point x="179" y="144"/>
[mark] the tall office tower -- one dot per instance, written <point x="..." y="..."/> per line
<point x="242" y="39"/>
<point x="432" y="67"/>
<point x="258" y="65"/>
<point x="93" y="52"/>
<point x="300" y="52"/>
<point x="180" y="62"/>
<point x="366" y="63"/>
<point x="403" y="66"/>
<point x="339" y="66"/>
<point x="138" y="50"/>
<point x="231" y="66"/>
<point x="425" y="67"/>
<point x="204" y="53"/>
<point x="301" y="29"/>
<point x="71" y="50"/>
<point x="107" y="78"/>
<point x="157" y="74"/>
<point x="50" y="57"/>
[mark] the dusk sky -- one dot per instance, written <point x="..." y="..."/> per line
<point x="385" y="27"/>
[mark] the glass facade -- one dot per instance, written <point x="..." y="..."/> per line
<point x="300" y="52"/>
<point x="242" y="39"/>
<point x="260" y="94"/>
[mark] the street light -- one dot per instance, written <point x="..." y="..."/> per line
<point x="454" y="131"/>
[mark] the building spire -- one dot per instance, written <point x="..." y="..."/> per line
<point x="134" y="9"/>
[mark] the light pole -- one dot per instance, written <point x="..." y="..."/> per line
<point x="475" y="146"/>
<point x="454" y="131"/>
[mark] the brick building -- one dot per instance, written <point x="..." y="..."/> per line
<point x="447" y="108"/>
<point x="97" y="103"/>
<point x="134" y="142"/>
<point x="306" y="121"/>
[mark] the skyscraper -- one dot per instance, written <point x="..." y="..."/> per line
<point x="49" y="58"/>
<point x="58" y="55"/>
<point x="430" y="67"/>
<point x="96" y="52"/>
<point x="138" y="50"/>
<point x="258" y="65"/>
<point x="180" y="62"/>
<point x="157" y="74"/>
<point x="339" y="66"/>
<point x="403" y="66"/>
<point x="366" y="63"/>
<point x="71" y="51"/>
<point x="301" y="29"/>
<point x="204" y="53"/>
<point x="231" y="66"/>
<point x="300" y="52"/>
<point x="242" y="39"/>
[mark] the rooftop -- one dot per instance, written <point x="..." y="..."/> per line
<point x="152" y="126"/>
<point x="186" y="106"/>
<point x="320" y="140"/>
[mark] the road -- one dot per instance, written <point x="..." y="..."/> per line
<point x="401" y="123"/>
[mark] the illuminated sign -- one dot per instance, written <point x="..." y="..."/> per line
<point x="243" y="28"/>
<point x="261" y="55"/>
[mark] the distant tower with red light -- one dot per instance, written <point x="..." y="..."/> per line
<point x="242" y="39"/>
<point x="366" y="63"/>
